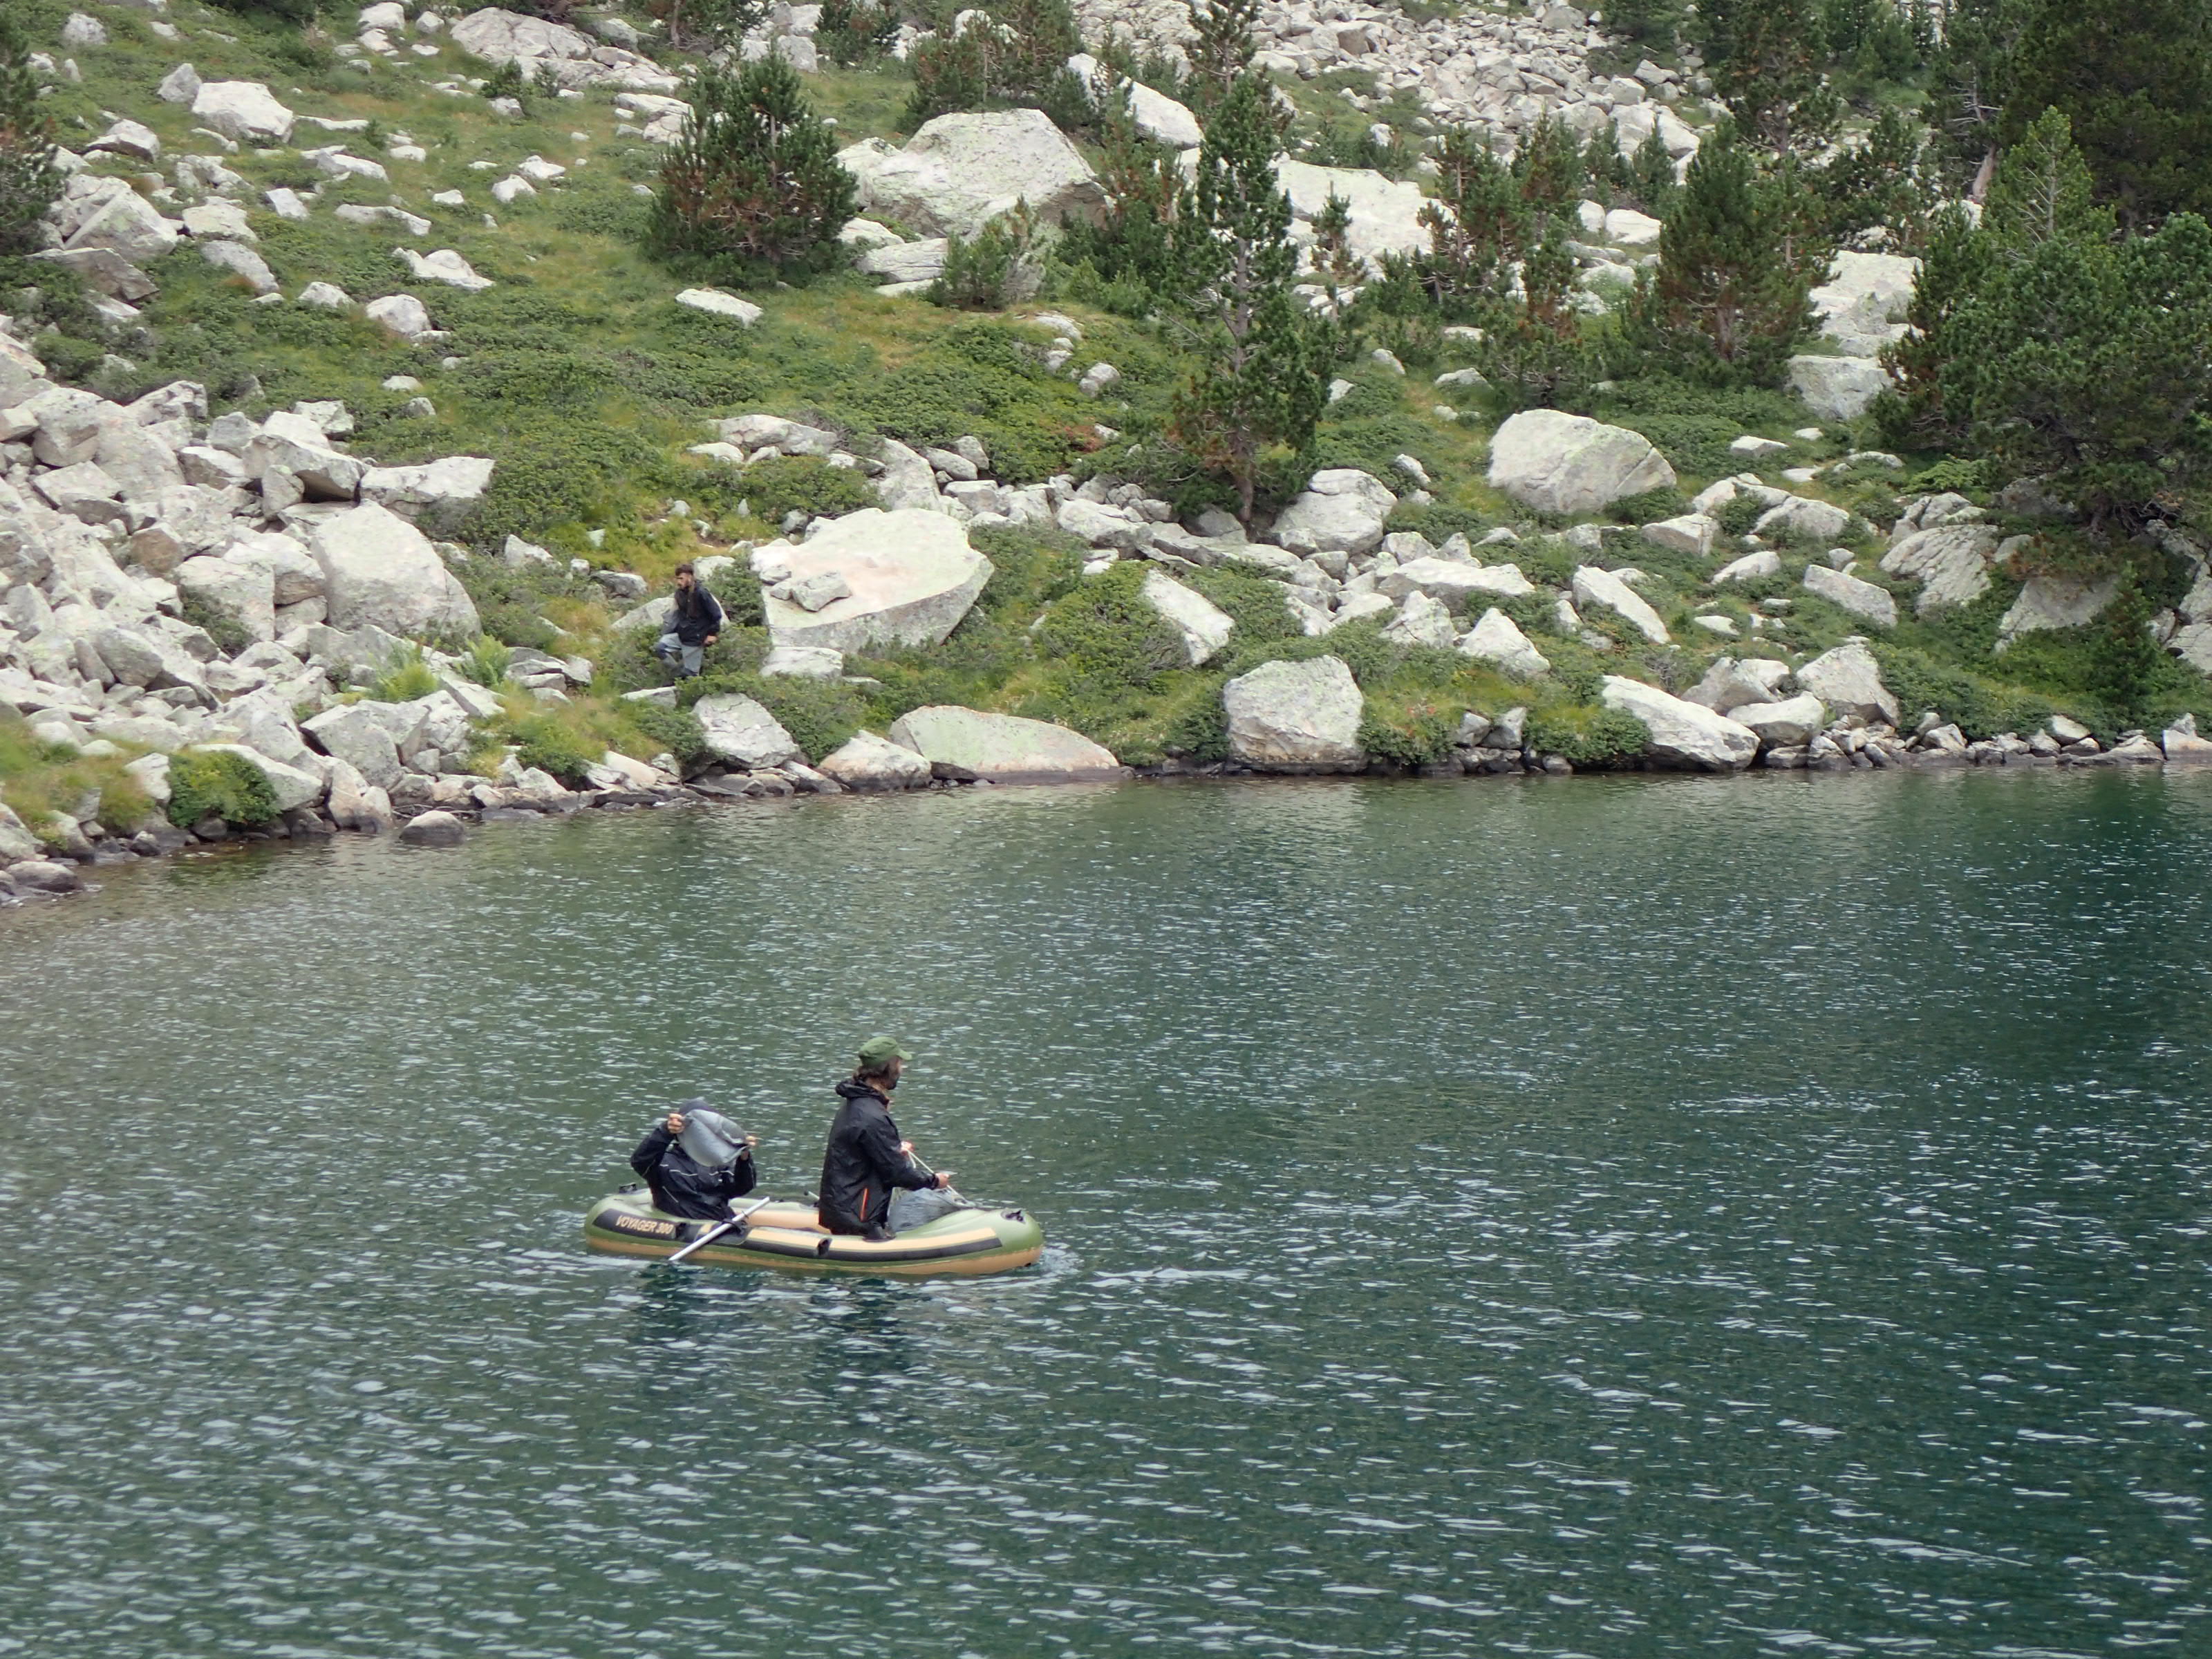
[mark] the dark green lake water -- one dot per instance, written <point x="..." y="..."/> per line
<point x="1616" y="1218"/>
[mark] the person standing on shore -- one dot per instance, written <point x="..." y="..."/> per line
<point x="694" y="623"/>
<point x="866" y="1161"/>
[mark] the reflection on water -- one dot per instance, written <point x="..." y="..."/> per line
<point x="1651" y="1216"/>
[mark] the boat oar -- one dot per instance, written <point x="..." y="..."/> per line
<point x="719" y="1229"/>
<point x="952" y="1193"/>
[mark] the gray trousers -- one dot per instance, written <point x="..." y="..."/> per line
<point x="913" y="1209"/>
<point x="684" y="659"/>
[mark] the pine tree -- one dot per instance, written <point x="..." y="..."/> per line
<point x="1978" y="66"/>
<point x="1953" y="258"/>
<point x="1548" y="166"/>
<point x="755" y="179"/>
<point x="29" y="181"/>
<point x="1738" y="255"/>
<point x="2135" y="81"/>
<point x="1888" y="182"/>
<point x="1766" y="69"/>
<point x="1476" y="224"/>
<point x="1220" y="51"/>
<point x="1264" y="353"/>
<point x="1017" y="51"/>
<point x="708" y="25"/>
<point x="2042" y="190"/>
<point x="2075" y="355"/>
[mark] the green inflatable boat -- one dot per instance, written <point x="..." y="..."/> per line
<point x="789" y="1237"/>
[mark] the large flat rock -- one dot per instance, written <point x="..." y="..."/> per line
<point x="960" y="171"/>
<point x="1296" y="717"/>
<point x="1555" y="462"/>
<point x="1683" y="733"/>
<point x="967" y="745"/>
<point x="379" y="569"/>
<point x="911" y="576"/>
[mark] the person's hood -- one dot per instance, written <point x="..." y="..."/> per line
<point x="852" y="1089"/>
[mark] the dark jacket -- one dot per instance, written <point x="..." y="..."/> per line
<point x="697" y="615"/>
<point x="863" y="1165"/>
<point x="682" y="1187"/>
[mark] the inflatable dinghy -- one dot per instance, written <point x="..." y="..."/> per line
<point x="789" y="1237"/>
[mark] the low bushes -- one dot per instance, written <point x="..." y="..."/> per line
<point x="205" y="784"/>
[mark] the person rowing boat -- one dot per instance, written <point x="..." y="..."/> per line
<point x="866" y="1162"/>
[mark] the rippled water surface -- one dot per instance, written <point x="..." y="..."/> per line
<point x="1619" y="1218"/>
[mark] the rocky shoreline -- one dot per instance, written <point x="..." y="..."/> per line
<point x="416" y="819"/>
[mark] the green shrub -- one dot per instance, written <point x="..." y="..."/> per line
<point x="1409" y="734"/>
<point x="548" y="744"/>
<point x="1648" y="508"/>
<point x="675" y="730"/>
<point x="487" y="661"/>
<point x="1587" y="735"/>
<point x="408" y="679"/>
<point x="218" y="784"/>
<point x="799" y="484"/>
<point x="997" y="269"/>
<point x="1254" y="604"/>
<point x="1979" y="707"/>
<point x="1439" y="521"/>
<point x="510" y="624"/>
<point x="226" y="630"/>
<point x="1738" y="513"/>
<point x="1106" y="634"/>
<point x="1951" y="474"/>
<point x="1199" y="729"/>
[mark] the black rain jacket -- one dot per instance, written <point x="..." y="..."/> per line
<point x="863" y="1165"/>
<point x="683" y="1187"/>
<point x="697" y="615"/>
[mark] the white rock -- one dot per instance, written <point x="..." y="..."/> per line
<point x="2054" y="602"/>
<point x="1802" y="516"/>
<point x="1497" y="639"/>
<point x="964" y="744"/>
<point x="1838" y="388"/>
<point x="1778" y="724"/>
<point x="716" y="302"/>
<point x="1752" y="566"/>
<point x="292" y="787"/>
<point x="1692" y="533"/>
<point x="743" y="733"/>
<point x="437" y="495"/>
<point x="1204" y="626"/>
<point x="1595" y="586"/>
<point x="1952" y="562"/>
<point x="1730" y="682"/>
<point x="242" y="262"/>
<point x="179" y="86"/>
<point x="802" y="662"/>
<point x="1862" y="599"/>
<point x="868" y="762"/>
<point x="1555" y="462"/>
<point x="402" y="314"/>
<point x="1631" y="228"/>
<point x="1849" y="680"/>
<point x="1157" y="115"/>
<point x="381" y="570"/>
<point x="1342" y="510"/>
<point x="1683" y="733"/>
<point x="912" y="573"/>
<point x="1296" y="717"/>
<point x="324" y="296"/>
<point x="1456" y="583"/>
<point x="1385" y="215"/>
<point x="960" y="171"/>
<point x="1421" y="621"/>
<point x="444" y="266"/>
<point x="245" y="111"/>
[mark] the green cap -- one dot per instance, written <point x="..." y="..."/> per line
<point x="875" y="1050"/>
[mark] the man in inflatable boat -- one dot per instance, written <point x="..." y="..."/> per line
<point x="696" y="1162"/>
<point x="867" y="1163"/>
